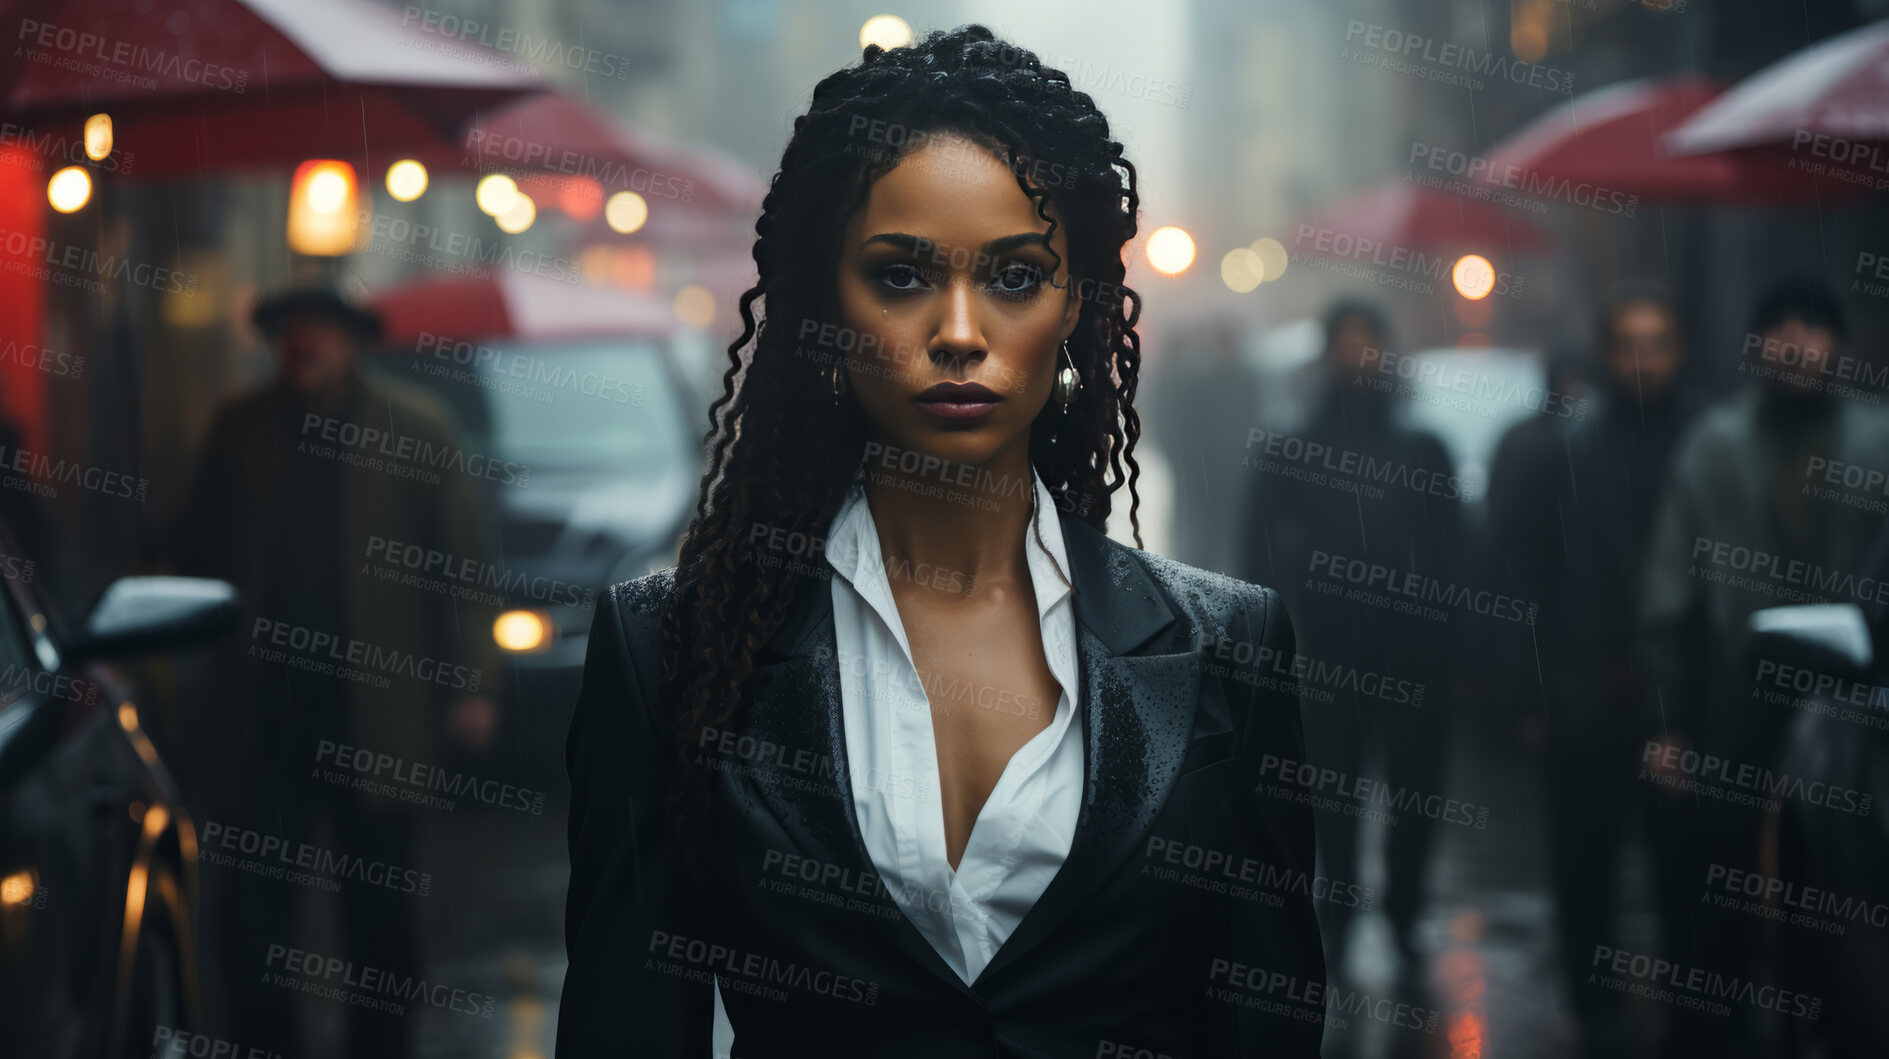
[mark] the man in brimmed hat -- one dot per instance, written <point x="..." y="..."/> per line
<point x="303" y="488"/>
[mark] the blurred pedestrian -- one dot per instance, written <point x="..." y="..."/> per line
<point x="1351" y="480"/>
<point x="1742" y="525"/>
<point x="288" y="502"/>
<point x="1593" y="504"/>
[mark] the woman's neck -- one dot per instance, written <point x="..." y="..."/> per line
<point x="960" y="518"/>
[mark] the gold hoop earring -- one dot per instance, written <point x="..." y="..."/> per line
<point x="838" y="383"/>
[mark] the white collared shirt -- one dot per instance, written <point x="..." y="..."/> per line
<point x="1023" y="832"/>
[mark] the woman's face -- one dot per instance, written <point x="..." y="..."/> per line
<point x="957" y="303"/>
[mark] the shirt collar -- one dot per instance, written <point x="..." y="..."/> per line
<point x="852" y="545"/>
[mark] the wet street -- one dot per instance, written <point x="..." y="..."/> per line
<point x="494" y="926"/>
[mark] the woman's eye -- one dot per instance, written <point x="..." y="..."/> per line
<point x="901" y="277"/>
<point x="1017" y="279"/>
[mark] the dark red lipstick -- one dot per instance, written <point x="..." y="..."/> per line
<point x="959" y="401"/>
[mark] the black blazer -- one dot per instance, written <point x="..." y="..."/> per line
<point x="1181" y="923"/>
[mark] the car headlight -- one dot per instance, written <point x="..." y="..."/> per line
<point x="522" y="631"/>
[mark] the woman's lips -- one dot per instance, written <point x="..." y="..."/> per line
<point x="958" y="402"/>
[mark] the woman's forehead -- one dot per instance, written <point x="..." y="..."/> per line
<point x="950" y="190"/>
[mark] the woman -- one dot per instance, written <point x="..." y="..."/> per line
<point x="906" y="757"/>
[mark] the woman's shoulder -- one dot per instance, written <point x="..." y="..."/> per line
<point x="638" y="606"/>
<point x="1213" y="603"/>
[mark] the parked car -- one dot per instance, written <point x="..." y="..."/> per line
<point x="583" y="388"/>
<point x="97" y="853"/>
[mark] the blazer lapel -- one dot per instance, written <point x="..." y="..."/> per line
<point x="1138" y="709"/>
<point x="796" y="705"/>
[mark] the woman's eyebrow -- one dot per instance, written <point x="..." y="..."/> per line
<point x="915" y="244"/>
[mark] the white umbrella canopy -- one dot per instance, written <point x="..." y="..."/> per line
<point x="1837" y="88"/>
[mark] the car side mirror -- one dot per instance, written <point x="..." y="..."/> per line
<point x="1830" y="638"/>
<point x="139" y="615"/>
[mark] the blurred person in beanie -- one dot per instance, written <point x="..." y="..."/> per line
<point x="293" y="501"/>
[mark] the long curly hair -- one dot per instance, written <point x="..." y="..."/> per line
<point x="770" y="463"/>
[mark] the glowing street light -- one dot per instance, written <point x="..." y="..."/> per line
<point x="1473" y="276"/>
<point x="626" y="211"/>
<point x="322" y="208"/>
<point x="69" y="189"/>
<point x="406" y="180"/>
<point x="520" y="216"/>
<point x="887" y="31"/>
<point x="98" y="137"/>
<point x="496" y="193"/>
<point x="1170" y="250"/>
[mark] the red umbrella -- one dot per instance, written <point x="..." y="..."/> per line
<point x="1613" y="139"/>
<point x="200" y="85"/>
<point x="1838" y="89"/>
<point x="513" y="304"/>
<point x="552" y="138"/>
<point x="1403" y="218"/>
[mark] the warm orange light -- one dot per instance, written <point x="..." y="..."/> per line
<point x="16" y="889"/>
<point x="323" y="203"/>
<point x="69" y="189"/>
<point x="581" y="198"/>
<point x="406" y="180"/>
<point x="626" y="211"/>
<point x="98" y="137"/>
<point x="1170" y="250"/>
<point x="1474" y="276"/>
<point x="521" y="630"/>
